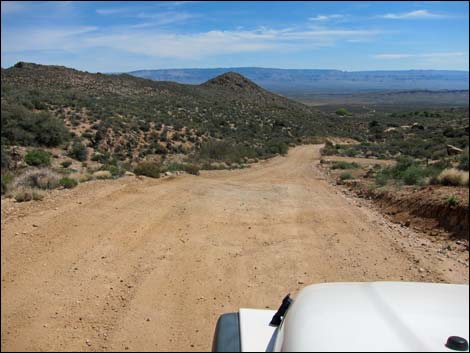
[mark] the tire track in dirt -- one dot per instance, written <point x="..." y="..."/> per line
<point x="149" y="264"/>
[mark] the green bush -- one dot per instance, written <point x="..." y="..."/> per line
<point x="463" y="160"/>
<point x="66" y="164"/>
<point x="149" y="169"/>
<point x="277" y="147"/>
<point x="413" y="175"/>
<point x="6" y="179"/>
<point x="342" y="112"/>
<point x="101" y="157"/>
<point x="228" y="152"/>
<point x="329" y="149"/>
<point x="409" y="172"/>
<point x="188" y="168"/>
<point x="344" y="165"/>
<point x="6" y="160"/>
<point x="191" y="169"/>
<point x="20" y="126"/>
<point x="345" y="176"/>
<point x="451" y="201"/>
<point x="38" y="158"/>
<point x="381" y="179"/>
<point x="68" y="183"/>
<point x="115" y="170"/>
<point x="350" y="152"/>
<point x="78" y="151"/>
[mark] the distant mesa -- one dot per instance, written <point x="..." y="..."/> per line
<point x="299" y="80"/>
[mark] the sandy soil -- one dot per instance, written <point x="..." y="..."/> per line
<point x="143" y="264"/>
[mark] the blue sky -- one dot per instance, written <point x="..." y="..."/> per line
<point x="124" y="36"/>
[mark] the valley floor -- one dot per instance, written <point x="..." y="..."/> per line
<point x="145" y="264"/>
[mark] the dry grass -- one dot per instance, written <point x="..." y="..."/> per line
<point x="102" y="174"/>
<point x="453" y="177"/>
<point x="83" y="177"/>
<point x="23" y="194"/>
<point x="43" y="178"/>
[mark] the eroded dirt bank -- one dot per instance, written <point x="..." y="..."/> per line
<point x="142" y="264"/>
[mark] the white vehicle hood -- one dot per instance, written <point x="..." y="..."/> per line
<point x="379" y="316"/>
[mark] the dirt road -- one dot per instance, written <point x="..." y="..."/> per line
<point x="144" y="264"/>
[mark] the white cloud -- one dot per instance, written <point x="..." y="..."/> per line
<point x="113" y="11"/>
<point x="429" y="56"/>
<point x="418" y="14"/>
<point x="326" y="17"/>
<point x="179" y="3"/>
<point x="152" y="18"/>
<point x="63" y="38"/>
<point x="38" y="9"/>
<point x="147" y="40"/>
<point x="164" y="18"/>
<point x="216" y="42"/>
<point x="136" y="8"/>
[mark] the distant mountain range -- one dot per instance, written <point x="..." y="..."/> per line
<point x="291" y="82"/>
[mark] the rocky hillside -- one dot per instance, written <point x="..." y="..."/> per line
<point x="130" y="118"/>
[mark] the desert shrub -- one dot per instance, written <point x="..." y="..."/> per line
<point x="149" y="169"/>
<point x="381" y="179"/>
<point x="413" y="175"/>
<point x="6" y="160"/>
<point x="66" y="164"/>
<point x="227" y="152"/>
<point x="342" y="112"/>
<point x="102" y="174"/>
<point x="188" y="168"/>
<point x="88" y="135"/>
<point x="173" y="167"/>
<point x="277" y="147"/>
<point x="350" y="152"/>
<point x="85" y="177"/>
<point x="409" y="172"/>
<point x="68" y="183"/>
<point x="452" y="177"/>
<point x="463" y="161"/>
<point x="78" y="151"/>
<point x="24" y="194"/>
<point x="19" y="126"/>
<point x="38" y="158"/>
<point x="217" y="150"/>
<point x="344" y="165"/>
<point x="38" y="178"/>
<point x="115" y="170"/>
<point x="329" y="149"/>
<point x="191" y="169"/>
<point x="101" y="157"/>
<point x="345" y="176"/>
<point x="6" y="179"/>
<point x="159" y="149"/>
<point x="451" y="200"/>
